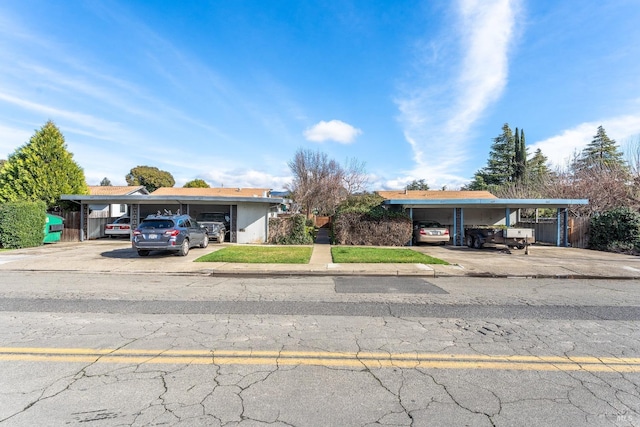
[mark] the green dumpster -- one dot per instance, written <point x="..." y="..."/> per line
<point x="53" y="228"/>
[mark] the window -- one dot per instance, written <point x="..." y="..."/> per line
<point x="123" y="208"/>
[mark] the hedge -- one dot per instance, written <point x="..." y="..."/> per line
<point x="22" y="224"/>
<point x="289" y="231"/>
<point x="617" y="230"/>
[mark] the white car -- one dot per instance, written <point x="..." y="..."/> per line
<point x="430" y="232"/>
<point x="119" y="227"/>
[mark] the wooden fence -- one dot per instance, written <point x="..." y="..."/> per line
<point x="71" y="231"/>
<point x="579" y="232"/>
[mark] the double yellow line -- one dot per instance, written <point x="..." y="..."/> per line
<point x="319" y="358"/>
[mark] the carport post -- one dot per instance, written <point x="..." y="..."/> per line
<point x="455" y="226"/>
<point x="558" y="227"/>
<point x="565" y="214"/>
<point x="461" y="239"/>
<point x="82" y="209"/>
<point x="507" y="213"/>
<point x="411" y="217"/>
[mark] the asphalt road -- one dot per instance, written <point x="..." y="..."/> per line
<point x="103" y="350"/>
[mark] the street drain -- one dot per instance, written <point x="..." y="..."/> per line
<point x="385" y="285"/>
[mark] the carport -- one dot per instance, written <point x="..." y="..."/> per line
<point x="249" y="211"/>
<point x="460" y="209"/>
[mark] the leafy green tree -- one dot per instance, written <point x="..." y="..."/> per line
<point x="2" y="162"/>
<point x="197" y="183"/>
<point x="417" y="184"/>
<point x="150" y="177"/>
<point x="42" y="169"/>
<point x="361" y="203"/>
<point x="601" y="151"/>
<point x="106" y="182"/>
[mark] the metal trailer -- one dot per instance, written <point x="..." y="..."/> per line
<point x="512" y="237"/>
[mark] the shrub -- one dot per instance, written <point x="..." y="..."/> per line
<point x="617" y="230"/>
<point x="289" y="231"/>
<point x="375" y="228"/>
<point x="22" y="224"/>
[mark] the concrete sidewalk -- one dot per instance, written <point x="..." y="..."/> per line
<point x="116" y="256"/>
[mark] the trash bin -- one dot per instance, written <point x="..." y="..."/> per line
<point x="53" y="228"/>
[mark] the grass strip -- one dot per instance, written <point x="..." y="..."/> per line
<point x="347" y="255"/>
<point x="260" y="255"/>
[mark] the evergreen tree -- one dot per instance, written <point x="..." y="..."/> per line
<point x="106" y="182"/>
<point x="501" y="164"/>
<point x="537" y="167"/>
<point x="42" y="169"/>
<point x="601" y="151"/>
<point x="197" y="183"/>
<point x="150" y="177"/>
<point x="520" y="167"/>
<point x="417" y="184"/>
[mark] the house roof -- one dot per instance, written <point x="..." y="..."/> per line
<point x="218" y="196"/>
<point x="116" y="190"/>
<point x="434" y="195"/>
<point x="212" y="192"/>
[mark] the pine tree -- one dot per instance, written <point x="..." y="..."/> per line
<point x="602" y="151"/>
<point x="42" y="169"/>
<point x="537" y="167"/>
<point x="501" y="164"/>
<point x="106" y="182"/>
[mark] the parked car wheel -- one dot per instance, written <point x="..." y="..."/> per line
<point x="205" y="242"/>
<point x="143" y="253"/>
<point x="221" y="238"/>
<point x="477" y="243"/>
<point x="184" y="248"/>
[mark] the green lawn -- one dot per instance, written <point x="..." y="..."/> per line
<point x="302" y="254"/>
<point x="260" y="255"/>
<point x="381" y="255"/>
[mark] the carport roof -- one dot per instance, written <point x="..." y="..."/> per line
<point x="486" y="203"/>
<point x="212" y="192"/>
<point x="181" y="195"/>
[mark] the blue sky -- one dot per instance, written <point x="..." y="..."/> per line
<point x="227" y="91"/>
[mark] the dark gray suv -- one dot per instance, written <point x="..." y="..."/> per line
<point x="177" y="233"/>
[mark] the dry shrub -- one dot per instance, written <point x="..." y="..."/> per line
<point x="354" y="228"/>
<point x="288" y="231"/>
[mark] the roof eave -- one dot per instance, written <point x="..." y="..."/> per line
<point x="497" y="203"/>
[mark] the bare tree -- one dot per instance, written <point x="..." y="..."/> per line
<point x="319" y="184"/>
<point x="606" y="187"/>
<point x="355" y="178"/>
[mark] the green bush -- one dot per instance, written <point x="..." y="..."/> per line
<point x="22" y="224"/>
<point x="617" y="230"/>
<point x="289" y="231"/>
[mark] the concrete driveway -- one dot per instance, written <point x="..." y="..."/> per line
<point x="542" y="261"/>
<point x="116" y="255"/>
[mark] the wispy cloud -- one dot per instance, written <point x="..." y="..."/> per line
<point x="333" y="130"/>
<point x="560" y="148"/>
<point x="453" y="91"/>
